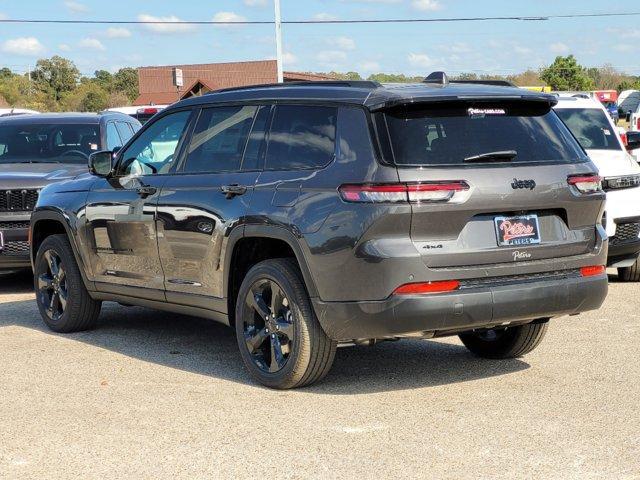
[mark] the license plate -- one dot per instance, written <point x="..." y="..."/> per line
<point x="515" y="231"/>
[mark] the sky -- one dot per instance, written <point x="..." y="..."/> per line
<point x="496" y="47"/>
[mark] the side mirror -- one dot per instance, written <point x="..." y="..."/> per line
<point x="633" y="140"/>
<point x="101" y="164"/>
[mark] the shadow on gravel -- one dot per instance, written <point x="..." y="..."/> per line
<point x="204" y="347"/>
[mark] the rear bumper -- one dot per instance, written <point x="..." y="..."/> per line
<point x="461" y="310"/>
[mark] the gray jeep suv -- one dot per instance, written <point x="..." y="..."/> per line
<point x="36" y="150"/>
<point x="310" y="215"/>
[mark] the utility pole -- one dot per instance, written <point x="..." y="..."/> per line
<point x="279" y="41"/>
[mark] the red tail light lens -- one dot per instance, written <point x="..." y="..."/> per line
<point x="623" y="137"/>
<point x="427" y="287"/>
<point x="638" y="124"/>
<point x="590" y="183"/>
<point x="593" y="270"/>
<point x="403" y="192"/>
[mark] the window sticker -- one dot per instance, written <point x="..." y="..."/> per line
<point x="483" y="112"/>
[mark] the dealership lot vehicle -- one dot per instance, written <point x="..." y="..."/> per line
<point x="598" y="135"/>
<point x="316" y="214"/>
<point x="36" y="150"/>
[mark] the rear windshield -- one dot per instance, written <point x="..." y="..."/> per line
<point x="48" y="143"/>
<point x="439" y="135"/>
<point x="591" y="128"/>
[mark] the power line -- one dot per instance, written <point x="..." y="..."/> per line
<point x="329" y="21"/>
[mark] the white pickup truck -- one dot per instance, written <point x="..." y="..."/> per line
<point x="629" y="106"/>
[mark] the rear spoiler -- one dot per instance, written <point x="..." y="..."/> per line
<point x="543" y="98"/>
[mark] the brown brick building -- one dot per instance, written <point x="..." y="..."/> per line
<point x="156" y="83"/>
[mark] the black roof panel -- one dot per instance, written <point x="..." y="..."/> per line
<point x="62" y="118"/>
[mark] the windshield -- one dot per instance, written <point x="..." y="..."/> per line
<point x="591" y="128"/>
<point x="447" y="135"/>
<point x="48" y="143"/>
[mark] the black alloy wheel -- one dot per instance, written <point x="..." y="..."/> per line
<point x="269" y="331"/>
<point x="52" y="286"/>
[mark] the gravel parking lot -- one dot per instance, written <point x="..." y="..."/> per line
<point x="155" y="395"/>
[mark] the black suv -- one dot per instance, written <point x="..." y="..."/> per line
<point x="36" y="150"/>
<point x="317" y="214"/>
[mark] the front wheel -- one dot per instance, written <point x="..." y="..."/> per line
<point x="63" y="301"/>
<point x="281" y="341"/>
<point x="511" y="342"/>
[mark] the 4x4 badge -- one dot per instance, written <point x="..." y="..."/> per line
<point x="528" y="184"/>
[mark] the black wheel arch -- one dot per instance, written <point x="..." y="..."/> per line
<point x="48" y="222"/>
<point x="266" y="232"/>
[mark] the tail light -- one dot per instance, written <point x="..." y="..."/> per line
<point x="402" y="192"/>
<point x="623" y="137"/>
<point x="638" y="123"/>
<point x="589" y="183"/>
<point x="147" y="111"/>
<point x="593" y="270"/>
<point x="422" y="288"/>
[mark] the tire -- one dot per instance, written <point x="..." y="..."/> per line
<point x="288" y="348"/>
<point x="509" y="342"/>
<point x="630" y="274"/>
<point x="79" y="311"/>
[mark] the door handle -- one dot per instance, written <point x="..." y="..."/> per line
<point x="231" y="191"/>
<point x="146" y="190"/>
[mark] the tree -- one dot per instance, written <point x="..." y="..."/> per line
<point x="56" y="76"/>
<point x="125" y="80"/>
<point x="345" y="76"/>
<point x="104" y="79"/>
<point x="528" y="78"/>
<point x="393" y="78"/>
<point x="566" y="74"/>
<point x="88" y="97"/>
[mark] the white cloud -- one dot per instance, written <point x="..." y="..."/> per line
<point x="289" y="58"/>
<point x="426" y="5"/>
<point x="373" y="1"/>
<point x="27" y="46"/>
<point x="324" y="16"/>
<point x="91" y="44"/>
<point x="457" y="47"/>
<point x="117" y="32"/>
<point x="559" y="47"/>
<point x="520" y="50"/>
<point x="255" y="3"/>
<point x="165" y="28"/>
<point x="419" y="60"/>
<point x="342" y="43"/>
<point x="630" y="34"/>
<point x="369" y="66"/>
<point x="64" y="47"/>
<point x="3" y="16"/>
<point x="331" y="57"/>
<point x="76" y="7"/>
<point x="228" y="17"/>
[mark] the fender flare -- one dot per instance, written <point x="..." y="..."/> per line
<point x="60" y="217"/>
<point x="276" y="233"/>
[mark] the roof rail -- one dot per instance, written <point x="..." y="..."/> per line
<point x="498" y="83"/>
<point x="366" y="84"/>
<point x="437" y="78"/>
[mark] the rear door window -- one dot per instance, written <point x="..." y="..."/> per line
<point x="591" y="128"/>
<point x="447" y="135"/>
<point x="219" y="139"/>
<point x="301" y="137"/>
<point x="113" y="138"/>
<point x="125" y="131"/>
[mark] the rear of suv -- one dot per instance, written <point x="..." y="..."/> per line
<point x="37" y="150"/>
<point x="314" y="215"/>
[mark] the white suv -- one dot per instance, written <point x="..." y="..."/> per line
<point x="595" y="131"/>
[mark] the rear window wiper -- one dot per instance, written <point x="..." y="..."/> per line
<point x="500" y="156"/>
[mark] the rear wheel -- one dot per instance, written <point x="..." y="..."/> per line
<point x="509" y="342"/>
<point x="630" y="274"/>
<point x="63" y="300"/>
<point x="280" y="340"/>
